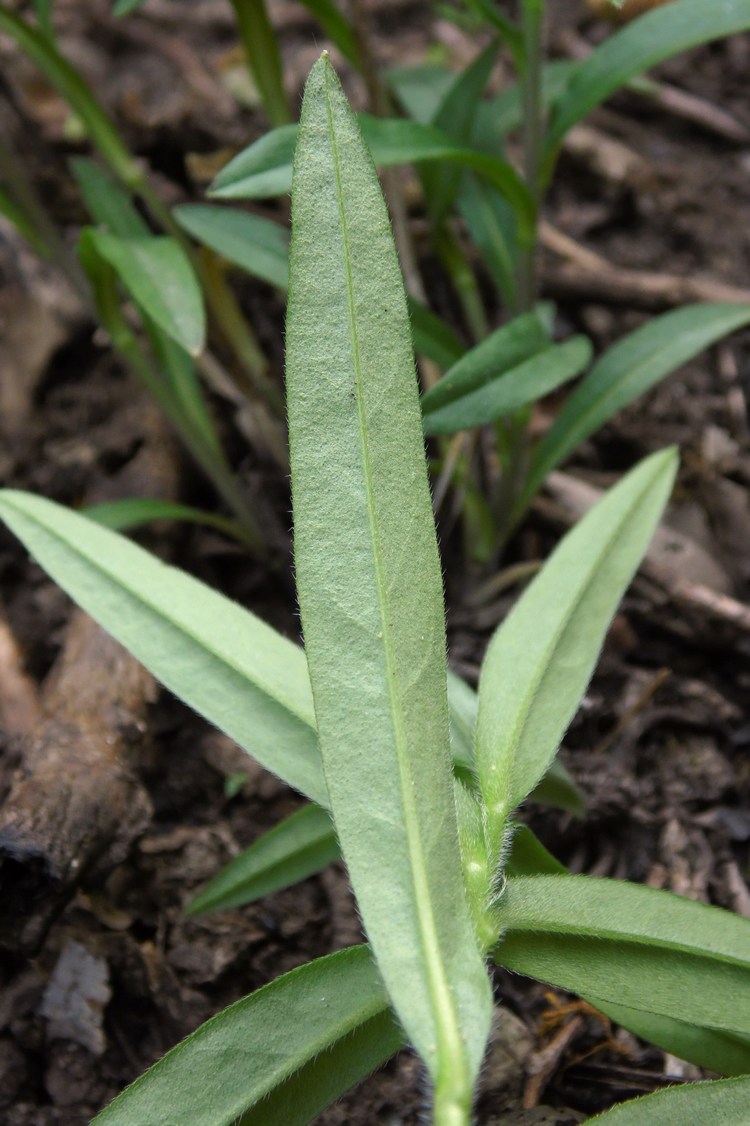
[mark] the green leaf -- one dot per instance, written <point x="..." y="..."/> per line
<point x="656" y="36"/>
<point x="492" y="227"/>
<point x="432" y="337"/>
<point x="224" y="662"/>
<point x="628" y="945"/>
<point x="625" y="372"/>
<point x="43" y="12"/>
<point x="297" y="1044"/>
<point x="186" y="391"/>
<point x="722" y="1052"/>
<point x="420" y="89"/>
<point x="157" y="274"/>
<point x="122" y="515"/>
<point x="370" y="591"/>
<point x="502" y="350"/>
<point x="498" y="116"/>
<point x="108" y="203"/>
<point x="263" y="55"/>
<point x="257" y="245"/>
<point x="558" y="789"/>
<point x="723" y="1102"/>
<point x="455" y="116"/>
<point x="527" y="856"/>
<point x="300" y="846"/>
<point x="264" y="169"/>
<point x="541" y="658"/>
<point x="511" y="389"/>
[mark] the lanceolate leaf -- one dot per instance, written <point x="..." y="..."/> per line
<point x="259" y="246"/>
<point x="516" y="388"/>
<point x="370" y="591"/>
<point x="159" y="277"/>
<point x="658" y="35"/>
<point x="296" y="1044"/>
<point x="298" y="847"/>
<point x="521" y="338"/>
<point x="455" y="116"/>
<point x="723" y="1052"/>
<point x="541" y="658"/>
<point x="123" y="515"/>
<point x="625" y="372"/>
<point x="629" y="945"/>
<point x="223" y="661"/>
<point x="721" y="1103"/>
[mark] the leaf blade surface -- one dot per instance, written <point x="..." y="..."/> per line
<point x="370" y="588"/>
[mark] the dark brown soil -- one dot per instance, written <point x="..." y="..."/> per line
<point x="660" y="745"/>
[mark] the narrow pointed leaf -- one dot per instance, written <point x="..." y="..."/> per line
<point x="370" y="589"/>
<point x="298" y="847"/>
<point x="455" y="116"/>
<point x="656" y="36"/>
<point x="302" y="1041"/>
<point x="123" y="515"/>
<point x="257" y="245"/>
<point x="492" y="227"/>
<point x="723" y="1102"/>
<point x="726" y="1053"/>
<point x="506" y="348"/>
<point x="626" y="371"/>
<point x="513" y="389"/>
<point x="432" y="337"/>
<point x="630" y="945"/>
<point x="527" y="856"/>
<point x="159" y="277"/>
<point x="221" y="660"/>
<point x="541" y="658"/>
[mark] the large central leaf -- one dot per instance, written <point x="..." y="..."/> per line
<point x="370" y="587"/>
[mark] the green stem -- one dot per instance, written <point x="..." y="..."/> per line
<point x="263" y="58"/>
<point x="452" y="1106"/>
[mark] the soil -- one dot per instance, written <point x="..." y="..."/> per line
<point x="659" y="748"/>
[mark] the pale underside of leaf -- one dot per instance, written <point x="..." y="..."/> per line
<point x="370" y="588"/>
<point x="541" y="658"/>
